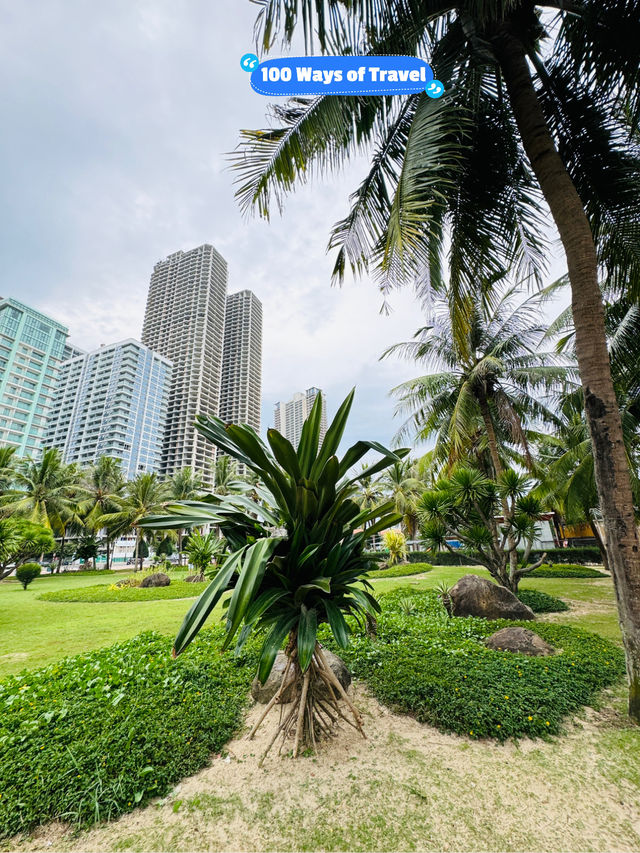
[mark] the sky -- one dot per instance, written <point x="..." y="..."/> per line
<point x="117" y="121"/>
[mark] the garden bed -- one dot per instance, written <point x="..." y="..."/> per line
<point x="104" y="593"/>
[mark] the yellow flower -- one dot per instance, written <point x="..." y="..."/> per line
<point x="498" y="726"/>
<point x="471" y="732"/>
<point x="529" y="718"/>
<point x="547" y="723"/>
<point x="506" y="697"/>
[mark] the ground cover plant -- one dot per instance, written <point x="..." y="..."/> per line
<point x="542" y="602"/>
<point x="566" y="570"/>
<point x="109" y="592"/>
<point x="438" y="669"/>
<point x="91" y="736"/>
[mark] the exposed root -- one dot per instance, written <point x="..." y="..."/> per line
<point x="313" y="711"/>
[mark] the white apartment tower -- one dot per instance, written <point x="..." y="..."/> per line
<point x="184" y="321"/>
<point x="112" y="402"/>
<point x="290" y="416"/>
<point x="240" y="394"/>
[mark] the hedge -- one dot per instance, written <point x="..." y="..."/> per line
<point x="540" y="602"/>
<point x="401" y="571"/>
<point x="560" y="570"/>
<point x="105" y="592"/>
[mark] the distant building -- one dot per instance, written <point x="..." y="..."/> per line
<point x="32" y="347"/>
<point x="240" y="392"/>
<point x="290" y="416"/>
<point x="184" y="321"/>
<point x="112" y="402"/>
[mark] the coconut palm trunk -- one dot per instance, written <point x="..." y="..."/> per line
<point x="603" y="416"/>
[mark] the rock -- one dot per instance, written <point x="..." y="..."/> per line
<point x="195" y="578"/>
<point x="157" y="579"/>
<point x="474" y="596"/>
<point x="263" y="693"/>
<point x="519" y="640"/>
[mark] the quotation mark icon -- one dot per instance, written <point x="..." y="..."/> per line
<point x="435" y="89"/>
<point x="249" y="61"/>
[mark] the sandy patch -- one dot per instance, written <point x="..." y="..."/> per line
<point x="407" y="787"/>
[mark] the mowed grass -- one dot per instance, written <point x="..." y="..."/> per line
<point x="34" y="632"/>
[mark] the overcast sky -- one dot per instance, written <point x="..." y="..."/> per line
<point x="116" y="118"/>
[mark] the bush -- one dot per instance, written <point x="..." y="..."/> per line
<point x="442" y="558"/>
<point x="92" y="736"/>
<point x="566" y="570"/>
<point x="438" y="669"/>
<point x="540" y="602"/>
<point x="27" y="572"/>
<point x="569" y="555"/>
<point x="400" y="571"/>
<point x="111" y="592"/>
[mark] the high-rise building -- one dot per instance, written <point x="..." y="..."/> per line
<point x="112" y="402"/>
<point x="184" y="322"/>
<point x="240" y="393"/>
<point x="31" y="348"/>
<point x="290" y="416"/>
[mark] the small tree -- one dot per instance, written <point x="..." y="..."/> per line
<point x="396" y="544"/>
<point x="203" y="549"/>
<point x="26" y="573"/>
<point x="21" y="540"/>
<point x="87" y="549"/>
<point x="492" y="518"/>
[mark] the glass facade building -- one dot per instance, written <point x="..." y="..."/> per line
<point x="32" y="347"/>
<point x="112" y="402"/>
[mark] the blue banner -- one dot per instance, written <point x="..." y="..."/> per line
<point x="341" y="75"/>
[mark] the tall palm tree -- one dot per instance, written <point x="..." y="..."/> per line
<point x="46" y="492"/>
<point x="145" y="495"/>
<point x="529" y="111"/>
<point x="7" y="468"/>
<point x="227" y="481"/>
<point x="185" y="485"/>
<point x="403" y="487"/>
<point x="481" y="394"/>
<point x="104" y="486"/>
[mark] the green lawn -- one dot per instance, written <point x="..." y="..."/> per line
<point x="35" y="632"/>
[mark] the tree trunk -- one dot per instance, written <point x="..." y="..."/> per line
<point x="108" y="544"/>
<point x="137" y="552"/>
<point x="62" y="541"/>
<point x="180" y="547"/>
<point x="601" y="406"/>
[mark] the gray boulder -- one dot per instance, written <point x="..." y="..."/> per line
<point x="474" y="596"/>
<point x="264" y="693"/>
<point x="519" y="640"/>
<point x="195" y="578"/>
<point x="157" y="579"/>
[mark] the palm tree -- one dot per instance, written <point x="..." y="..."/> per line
<point x="145" y="495"/>
<point x="529" y="111"/>
<point x="403" y="486"/>
<point x="227" y="481"/>
<point x="479" y="396"/>
<point x="46" y="492"/>
<point x="104" y="485"/>
<point x="7" y="468"/>
<point x="183" y="486"/>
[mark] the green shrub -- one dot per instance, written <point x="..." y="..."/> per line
<point x="540" y="602"/>
<point x="566" y="570"/>
<point x="587" y="554"/>
<point x="92" y="736"/>
<point x="27" y="572"/>
<point x="109" y="592"/>
<point x="400" y="571"/>
<point x="92" y="572"/>
<point x="439" y="670"/>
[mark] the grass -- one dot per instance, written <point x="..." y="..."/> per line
<point x="401" y="571"/>
<point x="103" y="593"/>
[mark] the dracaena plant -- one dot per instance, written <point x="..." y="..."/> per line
<point x="297" y="557"/>
<point x="492" y="519"/>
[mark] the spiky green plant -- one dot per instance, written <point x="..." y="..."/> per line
<point x="297" y="558"/>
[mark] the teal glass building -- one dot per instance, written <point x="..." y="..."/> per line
<point x="32" y="347"/>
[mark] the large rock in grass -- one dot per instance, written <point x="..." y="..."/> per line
<point x="156" y="579"/>
<point x="474" y="596"/>
<point x="520" y="640"/>
<point x="264" y="693"/>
